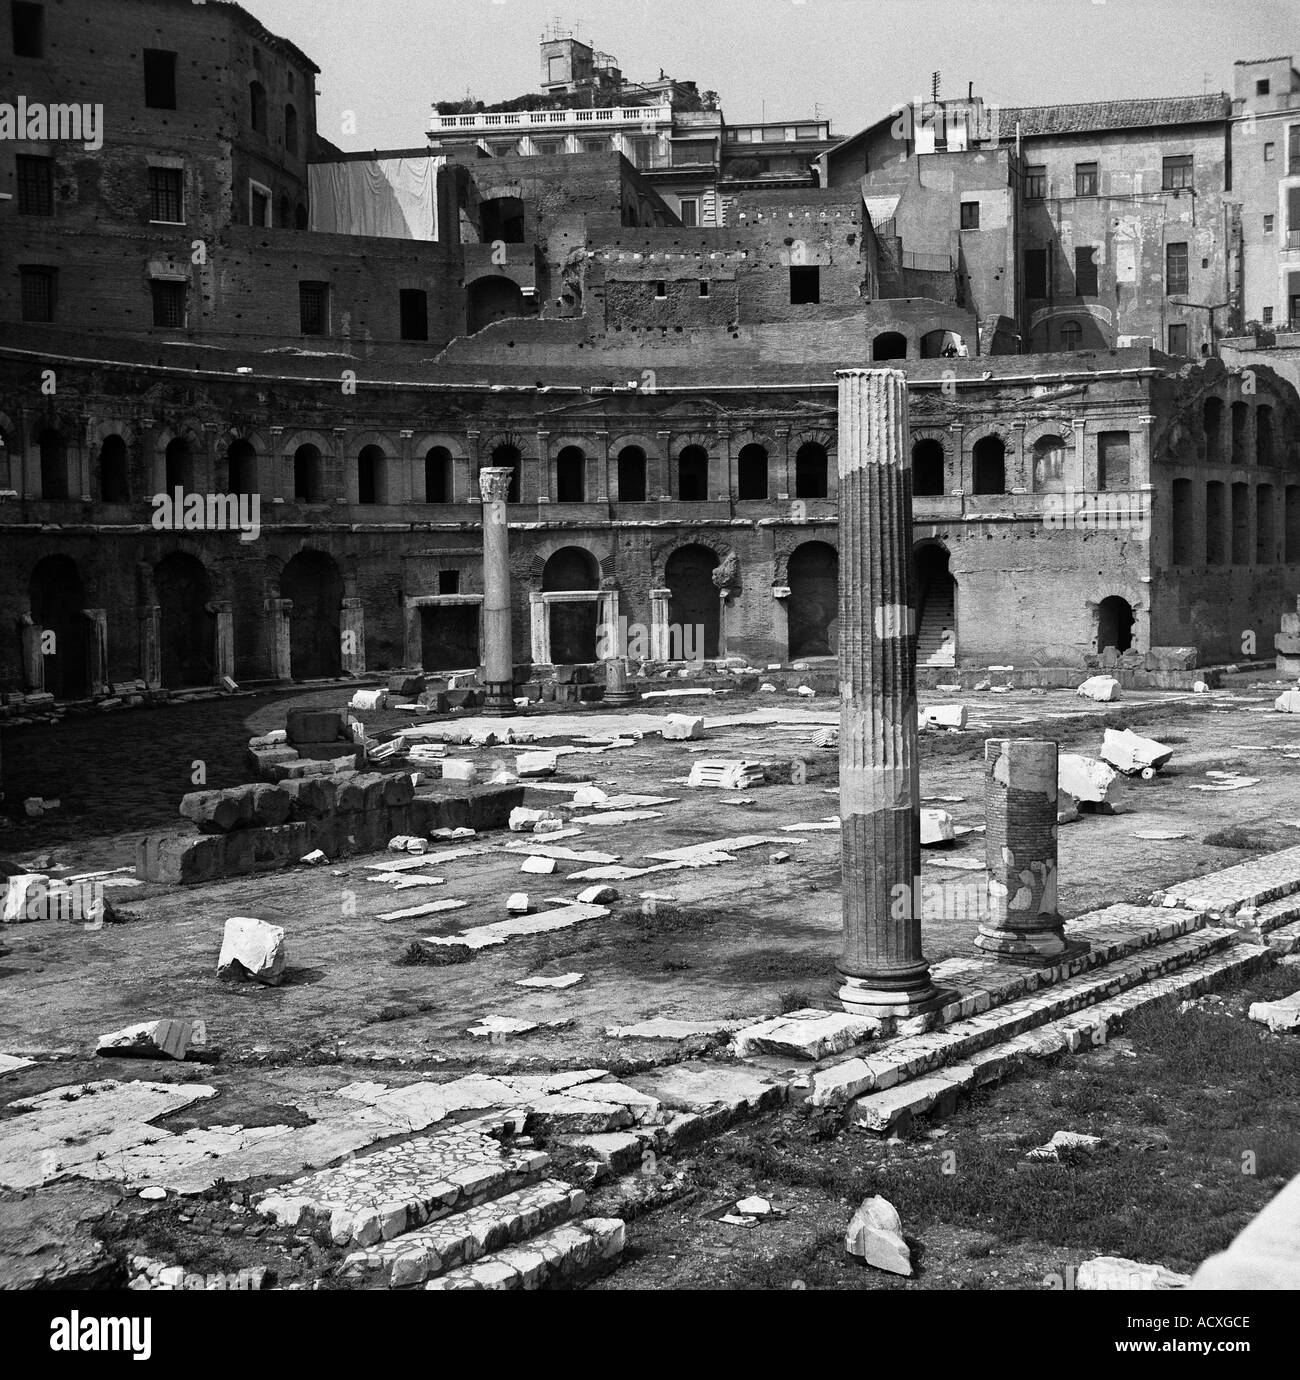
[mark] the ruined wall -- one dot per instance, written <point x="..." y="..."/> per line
<point x="1129" y="223"/>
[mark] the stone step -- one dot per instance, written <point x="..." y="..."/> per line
<point x="563" y="1256"/>
<point x="418" y="1256"/>
<point x="1251" y="883"/>
<point x="980" y="984"/>
<point x="1285" y="940"/>
<point x="398" y="1189"/>
<point x="902" y="1060"/>
<point x="937" y="1093"/>
<point x="1270" y="916"/>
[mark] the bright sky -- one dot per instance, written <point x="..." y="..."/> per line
<point x="387" y="61"/>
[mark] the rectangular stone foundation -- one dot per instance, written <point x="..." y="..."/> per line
<point x="341" y="818"/>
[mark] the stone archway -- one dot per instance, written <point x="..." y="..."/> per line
<point x="573" y="623"/>
<point x="936" y="607"/>
<point x="693" y="613"/>
<point x="814" y="607"/>
<point x="313" y="581"/>
<point x="491" y="299"/>
<point x="1115" y="620"/>
<point x="57" y="598"/>
<point x="184" y="590"/>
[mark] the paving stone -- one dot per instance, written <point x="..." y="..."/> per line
<point x="665" y="1028"/>
<point x="807" y="1034"/>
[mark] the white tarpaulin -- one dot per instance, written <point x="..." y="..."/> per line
<point x="388" y="198"/>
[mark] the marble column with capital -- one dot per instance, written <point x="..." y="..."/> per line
<point x="352" y="637"/>
<point x="498" y="643"/>
<point x="97" y="650"/>
<point x="885" y="973"/>
<point x="278" y="637"/>
<point x="223" y="640"/>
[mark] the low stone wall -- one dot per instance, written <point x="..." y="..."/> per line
<point x="263" y="828"/>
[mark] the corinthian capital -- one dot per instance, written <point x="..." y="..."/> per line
<point x="494" y="483"/>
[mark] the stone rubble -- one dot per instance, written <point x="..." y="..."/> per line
<point x="875" y="1235"/>
<point x="252" y="949"/>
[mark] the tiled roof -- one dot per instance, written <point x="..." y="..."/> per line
<point x="1096" y="115"/>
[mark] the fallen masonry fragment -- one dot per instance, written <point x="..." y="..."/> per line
<point x="875" y="1235"/>
<point x="252" y="949"/>
<point x="172" y="1039"/>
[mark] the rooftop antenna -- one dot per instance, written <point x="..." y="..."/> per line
<point x="934" y="87"/>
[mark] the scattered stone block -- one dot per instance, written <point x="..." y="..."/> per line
<point x="1102" y="688"/>
<point x="24" y="894"/>
<point x="1288" y="702"/>
<point x="524" y="820"/>
<point x="1277" y="1015"/>
<point x="173" y="1039"/>
<point x="458" y="769"/>
<point x="1171" y="659"/>
<point x="1133" y="754"/>
<point x="1068" y="1141"/>
<point x="252" y="949"/>
<point x="536" y="763"/>
<point x="217" y="812"/>
<point x="944" y="716"/>
<point x="542" y="867"/>
<point x="753" y="1207"/>
<point x="1114" y="1272"/>
<point x="679" y="727"/>
<point x="936" y="828"/>
<point x="367" y="700"/>
<point x="314" y="859"/>
<point x="315" y="725"/>
<point x="517" y="903"/>
<point x="598" y="895"/>
<point x="730" y="775"/>
<point x="589" y="797"/>
<point x="1085" y="778"/>
<point x="875" y="1235"/>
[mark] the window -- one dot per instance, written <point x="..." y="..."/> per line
<point x="35" y="185"/>
<point x="28" y="29"/>
<point x="543" y="147"/>
<point x="692" y="151"/>
<point x="1071" y="334"/>
<point x="1175" y="268"/>
<point x="970" y="215"/>
<point x="1085" y="271"/>
<point x="167" y="195"/>
<point x="37" y="293"/>
<point x="290" y="129"/>
<point x="571" y="475"/>
<point x="1268" y="225"/>
<point x="704" y="287"/>
<point x="438" y="486"/>
<point x="1262" y="86"/>
<point x="693" y="475"/>
<point x="1293" y="150"/>
<point x="807" y="132"/>
<point x="169" y="305"/>
<point x="1178" y="340"/>
<point x="1113" y="460"/>
<point x="631" y="475"/>
<point x="805" y="285"/>
<point x="557" y="69"/>
<point x="1036" y="182"/>
<point x="595" y="146"/>
<point x="1270" y="152"/>
<point x="1085" y="179"/>
<point x="159" y="79"/>
<point x="1036" y="273"/>
<point x="259" y="204"/>
<point x="1177" y="172"/>
<point x="690" y="211"/>
<point x="751" y="472"/>
<point x="1268" y="316"/>
<point x="414" y="309"/>
<point x="449" y="582"/>
<point x="509" y="149"/>
<point x="257" y="107"/>
<point x="314" y="308"/>
<point x="661" y="290"/>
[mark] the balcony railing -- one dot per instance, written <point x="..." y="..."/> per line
<point x="1293" y="239"/>
<point x="488" y="122"/>
<point x="928" y="263"/>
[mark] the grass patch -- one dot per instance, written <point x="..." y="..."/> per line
<point x="415" y="955"/>
<point x="1235" y="837"/>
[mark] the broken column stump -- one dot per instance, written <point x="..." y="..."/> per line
<point x="1020" y="786"/>
<point x="498" y="649"/>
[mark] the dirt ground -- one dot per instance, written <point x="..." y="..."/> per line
<point x="742" y="940"/>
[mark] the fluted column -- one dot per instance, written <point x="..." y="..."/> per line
<point x="352" y="635"/>
<point x="498" y="646"/>
<point x="1023" y="925"/>
<point x="882" y="964"/>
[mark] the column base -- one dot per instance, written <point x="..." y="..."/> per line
<point x="1034" y="949"/>
<point x="499" y="700"/>
<point x="621" y="697"/>
<point x="859" y="998"/>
